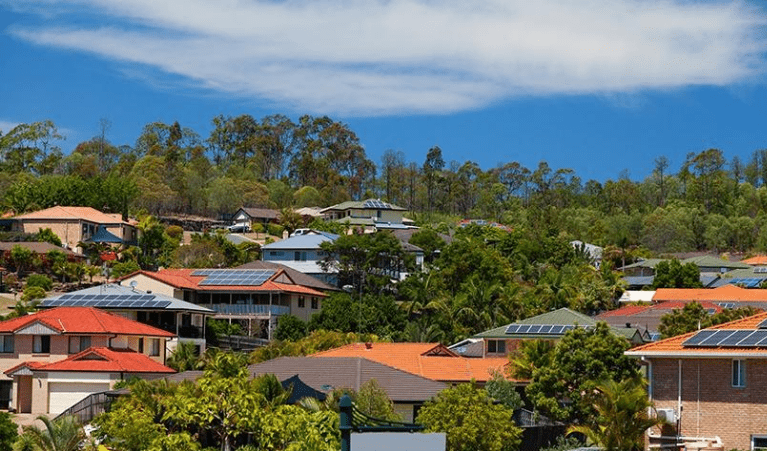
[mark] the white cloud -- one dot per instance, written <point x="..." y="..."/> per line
<point x="379" y="57"/>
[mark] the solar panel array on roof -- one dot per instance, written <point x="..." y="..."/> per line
<point x="146" y="301"/>
<point x="375" y="203"/>
<point x="748" y="282"/>
<point x="762" y="325"/>
<point x="726" y="304"/>
<point x="247" y="277"/>
<point x="747" y="338"/>
<point x="540" y="329"/>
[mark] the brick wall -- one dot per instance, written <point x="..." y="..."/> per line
<point x="711" y="406"/>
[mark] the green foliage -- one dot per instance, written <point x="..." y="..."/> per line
<point x="531" y="355"/>
<point x="222" y="328"/>
<point x="373" y="401"/>
<point x="470" y="419"/>
<point x="275" y="230"/>
<point x="622" y="409"/>
<point x="47" y="236"/>
<point x="504" y="391"/>
<point x="672" y="274"/>
<point x="175" y="232"/>
<point x="33" y="293"/>
<point x="428" y="240"/>
<point x="21" y="257"/>
<point x="40" y="280"/>
<point x="693" y="317"/>
<point x="581" y="359"/>
<point x="318" y="340"/>
<point x="123" y="269"/>
<point x="8" y="432"/>
<point x="373" y="314"/>
<point x="62" y="434"/>
<point x="290" y="327"/>
<point x="184" y="357"/>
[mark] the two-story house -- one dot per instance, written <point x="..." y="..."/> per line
<point x="302" y="253"/>
<point x="54" y="358"/>
<point x="254" y="298"/>
<point x="183" y="319"/>
<point x="76" y="224"/>
<point x="370" y="214"/>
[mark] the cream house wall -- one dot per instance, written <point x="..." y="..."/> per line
<point x="148" y="284"/>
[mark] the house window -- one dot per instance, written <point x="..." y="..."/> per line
<point x="301" y="302"/>
<point x="141" y="345"/>
<point x="759" y="442"/>
<point x="41" y="344"/>
<point x="496" y="346"/>
<point x="77" y="344"/>
<point x="738" y="373"/>
<point x="154" y="347"/>
<point x="315" y="303"/>
<point x="7" y="344"/>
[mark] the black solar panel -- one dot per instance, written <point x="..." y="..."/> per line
<point x="512" y="329"/>
<point x="375" y="203"/>
<point x="717" y="338"/>
<point x="696" y="339"/>
<point x="107" y="301"/>
<point x="736" y="337"/>
<point x="534" y="329"/>
<point x="247" y="277"/>
<point x="762" y="325"/>
<point x="754" y="339"/>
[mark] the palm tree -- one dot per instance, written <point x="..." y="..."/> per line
<point x="622" y="409"/>
<point x="531" y="355"/>
<point x="62" y="434"/>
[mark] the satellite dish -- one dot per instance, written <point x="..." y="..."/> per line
<point x="133" y="284"/>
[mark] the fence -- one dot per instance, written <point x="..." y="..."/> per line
<point x="90" y="406"/>
<point x="241" y="343"/>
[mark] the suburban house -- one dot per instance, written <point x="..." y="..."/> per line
<point x="183" y="319"/>
<point x="39" y="249"/>
<point x="592" y="250"/>
<point x="636" y="296"/>
<point x="710" y="386"/>
<point x="370" y="215"/>
<point x="430" y="360"/>
<point x="76" y="224"/>
<point x="250" y="216"/>
<point x="552" y="325"/>
<point x="726" y="296"/>
<point x="712" y="270"/>
<point x="302" y="253"/>
<point x="648" y="317"/>
<point x="53" y="358"/>
<point x="751" y="277"/>
<point x="252" y="297"/>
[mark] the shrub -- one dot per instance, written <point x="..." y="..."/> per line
<point x="175" y="232"/>
<point x="40" y="280"/>
<point x="32" y="293"/>
<point x="258" y="227"/>
<point x="124" y="268"/>
<point x="275" y="230"/>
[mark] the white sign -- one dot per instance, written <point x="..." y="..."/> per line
<point x="400" y="441"/>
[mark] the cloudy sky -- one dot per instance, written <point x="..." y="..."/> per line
<point x="600" y="86"/>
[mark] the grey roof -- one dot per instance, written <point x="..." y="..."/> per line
<point x="114" y="289"/>
<point x="326" y="373"/>
<point x="309" y="241"/>
<point x="639" y="281"/>
<point x="298" y="277"/>
<point x="261" y="213"/>
<point x="369" y="204"/>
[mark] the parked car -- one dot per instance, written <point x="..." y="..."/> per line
<point x="238" y="228"/>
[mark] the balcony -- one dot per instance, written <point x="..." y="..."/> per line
<point x="249" y="309"/>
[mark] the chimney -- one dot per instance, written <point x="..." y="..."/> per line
<point x="628" y="325"/>
<point x="368" y="345"/>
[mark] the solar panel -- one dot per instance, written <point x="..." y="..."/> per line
<point x="534" y="329"/>
<point x="762" y="325"/>
<point x="696" y="339"/>
<point x="375" y="203"/>
<point x="753" y="339"/>
<point x="247" y="277"/>
<point x="736" y="337"/>
<point x="512" y="329"/>
<point x="523" y="328"/>
<point x="557" y="330"/>
<point x="545" y="329"/>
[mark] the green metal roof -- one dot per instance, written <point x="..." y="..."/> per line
<point x="361" y="205"/>
<point x="708" y="261"/>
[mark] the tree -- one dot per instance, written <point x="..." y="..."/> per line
<point x="622" y="409"/>
<point x="184" y="357"/>
<point x="21" y="258"/>
<point x="8" y="432"/>
<point x="373" y="401"/>
<point x="62" y="434"/>
<point x="582" y="359"/>
<point x="672" y="274"/>
<point x="504" y="391"/>
<point x="471" y="420"/>
<point x="431" y="169"/>
<point x="694" y="317"/>
<point x="290" y="327"/>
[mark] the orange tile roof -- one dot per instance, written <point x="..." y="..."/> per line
<point x="631" y="310"/>
<point x="83" y="320"/>
<point x="672" y="347"/>
<point x="729" y="293"/>
<point x="756" y="260"/>
<point x="101" y="360"/>
<point x="624" y="311"/>
<point x="183" y="278"/>
<point x="430" y="360"/>
<point x="75" y="213"/>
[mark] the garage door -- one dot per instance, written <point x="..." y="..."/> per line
<point x="63" y="395"/>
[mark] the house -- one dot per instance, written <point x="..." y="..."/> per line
<point x="183" y="319"/>
<point x="592" y="250"/>
<point x="302" y="253"/>
<point x="710" y="386"/>
<point x="76" y="224"/>
<point x="752" y="277"/>
<point x="252" y="297"/>
<point x="636" y="296"/>
<point x="648" y="317"/>
<point x="757" y="260"/>
<point x="726" y="296"/>
<point x="370" y="214"/>
<point x="39" y="249"/>
<point x="430" y="360"/>
<point x="250" y="216"/>
<point x="548" y="326"/>
<point x="53" y="358"/>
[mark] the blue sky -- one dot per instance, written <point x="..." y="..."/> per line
<point x="599" y="86"/>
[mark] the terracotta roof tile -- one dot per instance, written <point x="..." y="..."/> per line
<point x="183" y="278"/>
<point x="756" y="260"/>
<point x="109" y="360"/>
<point x="673" y="346"/>
<point x="725" y="293"/>
<point x="430" y="360"/>
<point x="83" y="320"/>
<point x="66" y="212"/>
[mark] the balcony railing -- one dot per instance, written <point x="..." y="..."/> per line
<point x="249" y="309"/>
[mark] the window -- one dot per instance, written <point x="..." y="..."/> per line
<point x="77" y="344"/>
<point x="301" y="302"/>
<point x="759" y="442"/>
<point x="7" y="344"/>
<point x="738" y="373"/>
<point x="496" y="346"/>
<point x="141" y="345"/>
<point x="154" y="347"/>
<point x="315" y="303"/>
<point x="41" y="344"/>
